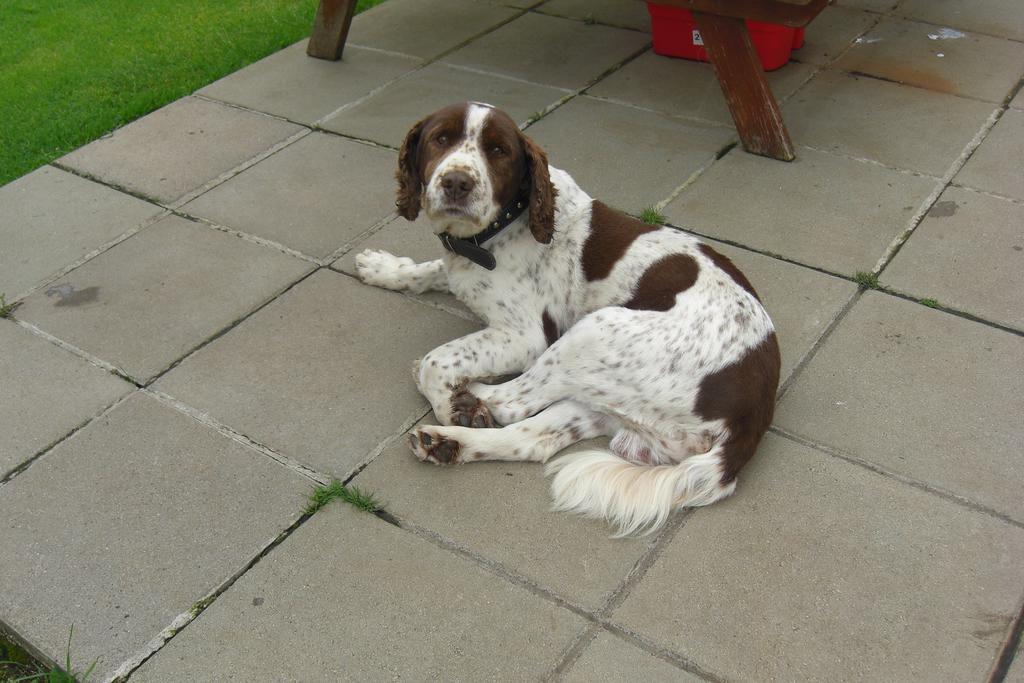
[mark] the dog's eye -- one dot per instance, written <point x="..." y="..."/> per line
<point x="441" y="139"/>
<point x="497" y="150"/>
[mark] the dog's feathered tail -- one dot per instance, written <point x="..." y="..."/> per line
<point x="635" y="497"/>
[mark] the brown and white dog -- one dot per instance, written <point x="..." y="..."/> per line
<point x="619" y="329"/>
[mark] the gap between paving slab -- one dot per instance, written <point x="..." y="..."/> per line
<point x="944" y="182"/>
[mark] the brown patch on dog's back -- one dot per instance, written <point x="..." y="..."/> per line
<point x="725" y="264"/>
<point x="743" y="395"/>
<point x="550" y="328"/>
<point x="657" y="288"/>
<point x="611" y="233"/>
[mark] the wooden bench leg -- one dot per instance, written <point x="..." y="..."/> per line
<point x="330" y="29"/>
<point x="739" y="72"/>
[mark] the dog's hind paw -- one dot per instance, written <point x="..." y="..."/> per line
<point x="470" y="411"/>
<point x="429" y="445"/>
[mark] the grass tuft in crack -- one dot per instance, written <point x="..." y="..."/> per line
<point x="867" y="280"/>
<point x="201" y="605"/>
<point x="930" y="303"/>
<point x="651" y="216"/>
<point x="53" y="675"/>
<point x="5" y="308"/>
<point x="322" y="495"/>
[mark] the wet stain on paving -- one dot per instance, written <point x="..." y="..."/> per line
<point x="904" y="75"/>
<point x="993" y="625"/>
<point x="943" y="209"/>
<point x="67" y="295"/>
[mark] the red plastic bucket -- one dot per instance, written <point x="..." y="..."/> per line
<point x="675" y="35"/>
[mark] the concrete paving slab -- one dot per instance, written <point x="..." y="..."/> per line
<point x="957" y="62"/>
<point x="612" y="659"/>
<point x="1004" y="18"/>
<point x="402" y="238"/>
<point x="632" y="15"/>
<point x="334" y="379"/>
<point x="765" y="586"/>
<point x="155" y="511"/>
<point x="831" y="32"/>
<point x="154" y="297"/>
<point x="922" y="393"/>
<point x="966" y="233"/>
<point x="685" y="88"/>
<point x="894" y="124"/>
<point x="801" y="302"/>
<point x="313" y="196"/>
<point x="871" y="5"/>
<point x="178" y="148"/>
<point x="849" y="211"/>
<point x="996" y="164"/>
<point x="387" y="116"/>
<point x="45" y="393"/>
<point x="292" y="84"/>
<point x="51" y="218"/>
<point x="550" y="50"/>
<point x="1018" y="100"/>
<point x="425" y="29"/>
<point x="1016" y="672"/>
<point x="349" y="596"/>
<point x="626" y="157"/>
<point x="502" y="511"/>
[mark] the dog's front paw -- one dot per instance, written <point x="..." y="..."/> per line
<point x="381" y="269"/>
<point x="470" y="411"/>
<point x="429" y="445"/>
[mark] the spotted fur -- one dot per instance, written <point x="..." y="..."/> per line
<point x="614" y="327"/>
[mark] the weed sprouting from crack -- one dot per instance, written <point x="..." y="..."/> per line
<point x="651" y="216"/>
<point x="535" y="117"/>
<point x="930" y="303"/>
<point x="322" y="495"/>
<point x="201" y="605"/>
<point x="56" y="674"/>
<point x="5" y="308"/>
<point x="867" y="280"/>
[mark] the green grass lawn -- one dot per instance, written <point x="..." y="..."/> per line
<point x="72" y="70"/>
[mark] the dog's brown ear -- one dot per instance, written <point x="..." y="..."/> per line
<point x="410" y="185"/>
<point x="542" y="193"/>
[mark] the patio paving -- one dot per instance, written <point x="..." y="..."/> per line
<point x="192" y="355"/>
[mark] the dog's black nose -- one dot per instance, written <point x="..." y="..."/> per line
<point x="456" y="185"/>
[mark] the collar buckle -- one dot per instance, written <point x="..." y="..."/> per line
<point x="472" y="247"/>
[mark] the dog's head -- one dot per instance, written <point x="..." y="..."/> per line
<point x="463" y="163"/>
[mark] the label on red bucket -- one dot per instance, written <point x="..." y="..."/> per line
<point x="697" y="40"/>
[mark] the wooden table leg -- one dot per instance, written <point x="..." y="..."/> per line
<point x="739" y="72"/>
<point x="330" y="29"/>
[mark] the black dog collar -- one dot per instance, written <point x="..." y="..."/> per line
<point x="471" y="248"/>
